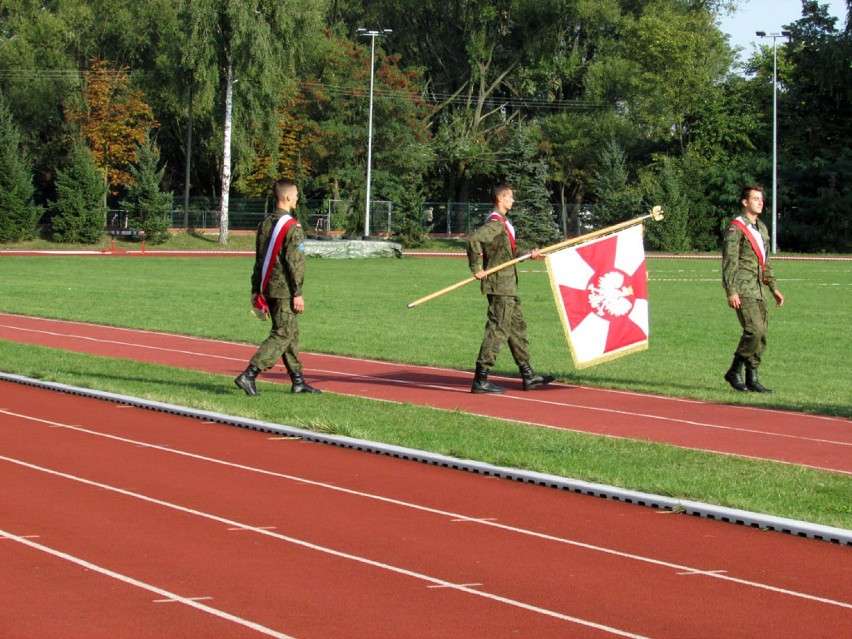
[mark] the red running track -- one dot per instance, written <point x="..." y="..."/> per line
<point x="121" y="522"/>
<point x="816" y="441"/>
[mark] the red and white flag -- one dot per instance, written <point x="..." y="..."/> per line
<point x="601" y="293"/>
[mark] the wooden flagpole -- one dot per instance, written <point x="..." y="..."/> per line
<point x="656" y="214"/>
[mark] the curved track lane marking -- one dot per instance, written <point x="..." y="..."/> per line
<point x="167" y="595"/>
<point x="205" y="340"/>
<point x="705" y="448"/>
<point x="434" y="581"/>
<point x="813" y="441"/>
<point x="97" y="340"/>
<point x="453" y="516"/>
<point x="455" y="389"/>
<point x="600" y="409"/>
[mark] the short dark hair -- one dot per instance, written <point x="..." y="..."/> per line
<point x="281" y="187"/>
<point x="748" y="188"/>
<point x="499" y="189"/>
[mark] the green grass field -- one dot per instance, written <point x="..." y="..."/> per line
<point x="358" y="307"/>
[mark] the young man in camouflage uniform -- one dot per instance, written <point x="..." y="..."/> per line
<point x="495" y="241"/>
<point x="285" y="273"/>
<point x="746" y="276"/>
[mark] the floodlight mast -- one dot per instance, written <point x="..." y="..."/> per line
<point x="774" y="36"/>
<point x="372" y="34"/>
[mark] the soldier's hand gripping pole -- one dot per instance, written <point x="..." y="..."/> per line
<point x="656" y="214"/>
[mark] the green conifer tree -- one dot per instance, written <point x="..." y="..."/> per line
<point x="18" y="213"/>
<point x="527" y="172"/>
<point x="80" y="213"/>
<point x="663" y="186"/>
<point x="617" y="201"/>
<point x="148" y="208"/>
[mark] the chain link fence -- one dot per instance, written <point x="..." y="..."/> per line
<point x="453" y="218"/>
<point x="246" y="214"/>
<point x="327" y="216"/>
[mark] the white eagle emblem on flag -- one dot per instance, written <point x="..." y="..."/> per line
<point x="610" y="296"/>
<point x="601" y="292"/>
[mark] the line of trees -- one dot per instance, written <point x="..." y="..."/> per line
<point x="617" y="104"/>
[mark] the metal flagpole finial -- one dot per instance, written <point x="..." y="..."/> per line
<point x="657" y="213"/>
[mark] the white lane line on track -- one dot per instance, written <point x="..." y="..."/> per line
<point x="608" y="391"/>
<point x="119" y="329"/>
<point x="443" y="513"/>
<point x="164" y="594"/>
<point x="178" y="601"/>
<point x="676" y="420"/>
<point x="250" y="349"/>
<point x="434" y="581"/>
<point x="130" y="344"/>
<point x="470" y="585"/>
<point x="579" y="431"/>
<point x="507" y="397"/>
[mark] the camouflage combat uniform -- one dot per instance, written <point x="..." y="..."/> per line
<point x="285" y="283"/>
<point x="505" y="318"/>
<point x="741" y="276"/>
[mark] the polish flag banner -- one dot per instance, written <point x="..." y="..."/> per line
<point x="601" y="293"/>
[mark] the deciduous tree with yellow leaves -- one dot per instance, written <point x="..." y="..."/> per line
<point x="113" y="118"/>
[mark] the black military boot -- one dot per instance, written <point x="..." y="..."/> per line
<point x="753" y="383"/>
<point x="300" y="385"/>
<point x="245" y="380"/>
<point x="734" y="375"/>
<point x="533" y="379"/>
<point x="482" y="385"/>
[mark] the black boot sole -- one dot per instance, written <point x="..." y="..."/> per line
<point x="250" y="390"/>
<point x="493" y="390"/>
<point x="305" y="389"/>
<point x="537" y="384"/>
<point x="762" y="389"/>
<point x="737" y="386"/>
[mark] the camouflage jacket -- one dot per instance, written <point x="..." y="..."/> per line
<point x="491" y="240"/>
<point x="741" y="267"/>
<point x="288" y="271"/>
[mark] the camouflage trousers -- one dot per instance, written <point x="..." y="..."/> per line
<point x="505" y="325"/>
<point x="283" y="340"/>
<point x="754" y="320"/>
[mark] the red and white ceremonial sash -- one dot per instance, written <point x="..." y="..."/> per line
<point x="601" y="293"/>
<point x="509" y="228"/>
<point x="756" y="240"/>
<point x="273" y="248"/>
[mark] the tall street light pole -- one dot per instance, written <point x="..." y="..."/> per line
<point x="774" y="36"/>
<point x="372" y="34"/>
